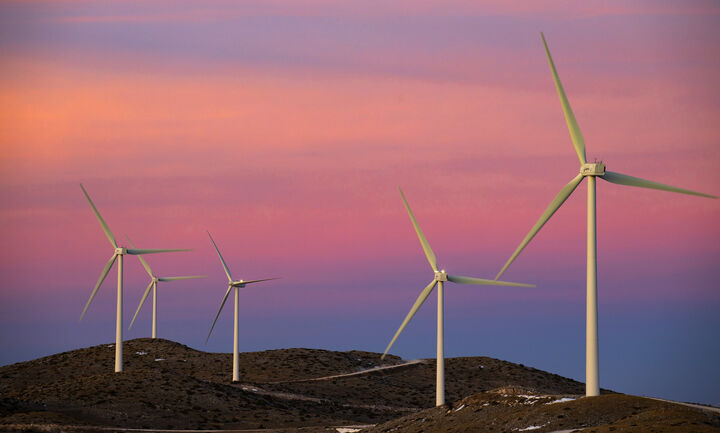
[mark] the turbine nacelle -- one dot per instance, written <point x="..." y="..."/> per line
<point x="120" y="251"/>
<point x="593" y="169"/>
<point x="240" y="283"/>
<point x="441" y="276"/>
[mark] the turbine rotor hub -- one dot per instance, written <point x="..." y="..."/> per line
<point x="120" y="251"/>
<point x="441" y="276"/>
<point x="593" y="169"/>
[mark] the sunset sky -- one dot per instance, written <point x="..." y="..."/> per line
<point x="285" y="127"/>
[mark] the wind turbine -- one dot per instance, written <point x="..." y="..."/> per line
<point x="440" y="277"/>
<point x="589" y="171"/>
<point x="154" y="279"/>
<point x="236" y="329"/>
<point x="118" y="255"/>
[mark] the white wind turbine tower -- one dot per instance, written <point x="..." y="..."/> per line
<point x="154" y="279"/>
<point x="591" y="171"/>
<point x="440" y="276"/>
<point x="236" y="329"/>
<point x="118" y="255"/>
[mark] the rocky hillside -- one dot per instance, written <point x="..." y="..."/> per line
<point x="167" y="385"/>
<point x="520" y="410"/>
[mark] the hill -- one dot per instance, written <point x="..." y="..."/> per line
<point x="167" y="385"/>
<point x="517" y="410"/>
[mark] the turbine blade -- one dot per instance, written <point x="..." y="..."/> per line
<point x="575" y="134"/>
<point x="222" y="304"/>
<point x="142" y="301"/>
<point x="181" y="278"/>
<point x="142" y="260"/>
<point x="136" y="252"/>
<point x="254" y="281"/>
<point x="423" y="295"/>
<point x="624" y="179"/>
<point x="426" y="246"/>
<point x="551" y="209"/>
<point x="104" y="225"/>
<point x="103" y="274"/>
<point x="225" y="266"/>
<point x="472" y="280"/>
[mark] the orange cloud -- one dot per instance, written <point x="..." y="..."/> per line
<point x="68" y="116"/>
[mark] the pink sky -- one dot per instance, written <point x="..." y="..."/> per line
<point x="285" y="129"/>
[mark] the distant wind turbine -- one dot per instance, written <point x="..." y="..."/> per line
<point x="440" y="276"/>
<point x="154" y="279"/>
<point x="117" y="255"/>
<point x="236" y="329"/>
<point x="591" y="171"/>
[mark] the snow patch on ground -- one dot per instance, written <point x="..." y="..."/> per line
<point x="159" y="359"/>
<point x="141" y="353"/>
<point x="461" y="406"/>
<point x="530" y="399"/>
<point x="526" y="398"/>
<point x="346" y="430"/>
<point x="532" y="427"/>
<point x="562" y="400"/>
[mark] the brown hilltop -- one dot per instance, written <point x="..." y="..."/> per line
<point x="521" y="411"/>
<point x="167" y="385"/>
<point x="414" y="386"/>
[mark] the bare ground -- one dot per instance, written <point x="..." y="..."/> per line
<point x="169" y="386"/>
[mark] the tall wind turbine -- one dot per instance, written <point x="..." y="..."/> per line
<point x="236" y="329"/>
<point x="439" y="277"/>
<point x="589" y="171"/>
<point x="154" y="279"/>
<point x="118" y="255"/>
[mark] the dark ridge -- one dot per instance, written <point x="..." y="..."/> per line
<point x="517" y="410"/>
<point x="167" y="385"/>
